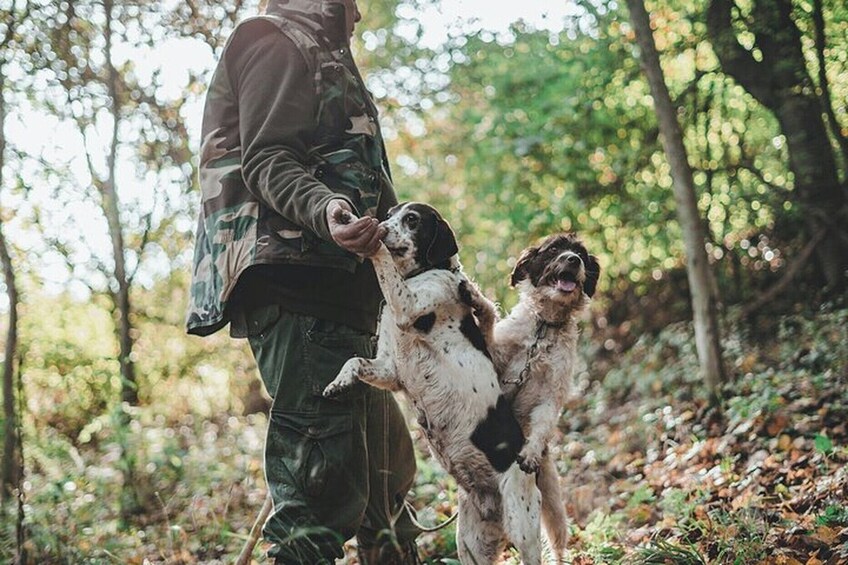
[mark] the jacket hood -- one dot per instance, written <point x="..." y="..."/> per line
<point x="323" y="17"/>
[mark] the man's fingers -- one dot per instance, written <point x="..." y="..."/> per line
<point x="358" y="230"/>
<point x="374" y="242"/>
<point x="360" y="237"/>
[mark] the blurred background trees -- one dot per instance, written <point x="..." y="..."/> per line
<point x="512" y="133"/>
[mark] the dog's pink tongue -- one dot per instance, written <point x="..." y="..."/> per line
<point x="566" y="286"/>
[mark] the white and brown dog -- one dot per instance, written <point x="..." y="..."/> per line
<point x="534" y="349"/>
<point x="431" y="349"/>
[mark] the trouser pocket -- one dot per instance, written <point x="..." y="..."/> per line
<point x="317" y="449"/>
<point x="328" y="346"/>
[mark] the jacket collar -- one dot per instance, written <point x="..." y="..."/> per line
<point x="325" y="18"/>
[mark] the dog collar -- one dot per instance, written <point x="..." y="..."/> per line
<point x="542" y="326"/>
<point x="446" y="266"/>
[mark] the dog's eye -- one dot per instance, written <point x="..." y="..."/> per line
<point x="411" y="221"/>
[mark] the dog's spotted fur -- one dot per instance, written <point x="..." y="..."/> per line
<point x="534" y="350"/>
<point x="431" y="349"/>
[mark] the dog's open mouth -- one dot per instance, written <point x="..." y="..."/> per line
<point x="565" y="283"/>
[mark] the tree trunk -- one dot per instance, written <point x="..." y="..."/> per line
<point x="130" y="505"/>
<point x="781" y="83"/>
<point x="9" y="478"/>
<point x="129" y="387"/>
<point x="11" y="452"/>
<point x="697" y="267"/>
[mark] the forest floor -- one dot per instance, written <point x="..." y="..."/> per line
<point x="649" y="474"/>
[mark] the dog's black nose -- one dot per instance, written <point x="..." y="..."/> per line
<point x="572" y="260"/>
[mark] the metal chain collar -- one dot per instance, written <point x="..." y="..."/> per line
<point x="541" y="331"/>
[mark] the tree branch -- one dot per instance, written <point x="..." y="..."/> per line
<point x="145" y="239"/>
<point x="791" y="272"/>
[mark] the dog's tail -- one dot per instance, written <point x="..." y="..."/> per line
<point x="554" y="518"/>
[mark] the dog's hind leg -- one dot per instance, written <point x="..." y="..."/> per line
<point x="554" y="517"/>
<point x="543" y="419"/>
<point x="522" y="503"/>
<point x="478" y="541"/>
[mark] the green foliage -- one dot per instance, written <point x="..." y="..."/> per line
<point x="199" y="480"/>
<point x="601" y="537"/>
<point x="662" y="552"/>
<point x="833" y="515"/>
<point x="71" y="371"/>
<point x="642" y="495"/>
<point x="538" y="132"/>
<point x="823" y="444"/>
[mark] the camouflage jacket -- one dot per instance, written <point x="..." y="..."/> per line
<point x="268" y="173"/>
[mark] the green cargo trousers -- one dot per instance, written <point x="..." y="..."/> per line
<point x="335" y="467"/>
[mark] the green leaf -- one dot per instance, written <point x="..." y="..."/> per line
<point x="824" y="444"/>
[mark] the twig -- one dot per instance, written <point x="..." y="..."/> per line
<point x="167" y="524"/>
<point x="791" y="272"/>
<point x="255" y="532"/>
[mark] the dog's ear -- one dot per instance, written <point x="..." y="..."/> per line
<point x="443" y="245"/>
<point x="519" y="273"/>
<point x="391" y="211"/>
<point x="593" y="271"/>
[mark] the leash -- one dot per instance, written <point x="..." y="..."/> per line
<point x="542" y="327"/>
<point x="410" y="509"/>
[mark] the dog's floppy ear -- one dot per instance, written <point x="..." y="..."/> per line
<point x="519" y="273"/>
<point x="443" y="245"/>
<point x="593" y="271"/>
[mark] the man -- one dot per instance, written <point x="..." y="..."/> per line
<point x="293" y="176"/>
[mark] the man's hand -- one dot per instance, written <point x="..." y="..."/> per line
<point x="358" y="235"/>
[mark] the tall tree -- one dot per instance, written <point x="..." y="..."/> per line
<point x="9" y="473"/>
<point x="107" y="188"/>
<point x="697" y="266"/>
<point x="774" y="72"/>
<point x="9" y="478"/>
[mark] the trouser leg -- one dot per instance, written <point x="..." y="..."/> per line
<point x="335" y="467"/>
<point x="387" y="534"/>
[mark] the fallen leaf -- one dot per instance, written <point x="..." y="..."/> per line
<point x="784" y="442"/>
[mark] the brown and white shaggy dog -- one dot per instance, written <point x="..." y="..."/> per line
<point x="534" y="350"/>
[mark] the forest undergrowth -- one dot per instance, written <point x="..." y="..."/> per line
<point x="650" y="473"/>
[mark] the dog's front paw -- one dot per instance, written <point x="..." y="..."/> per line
<point x="344" y="381"/>
<point x="470" y="296"/>
<point x="466" y="296"/>
<point x="529" y="462"/>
